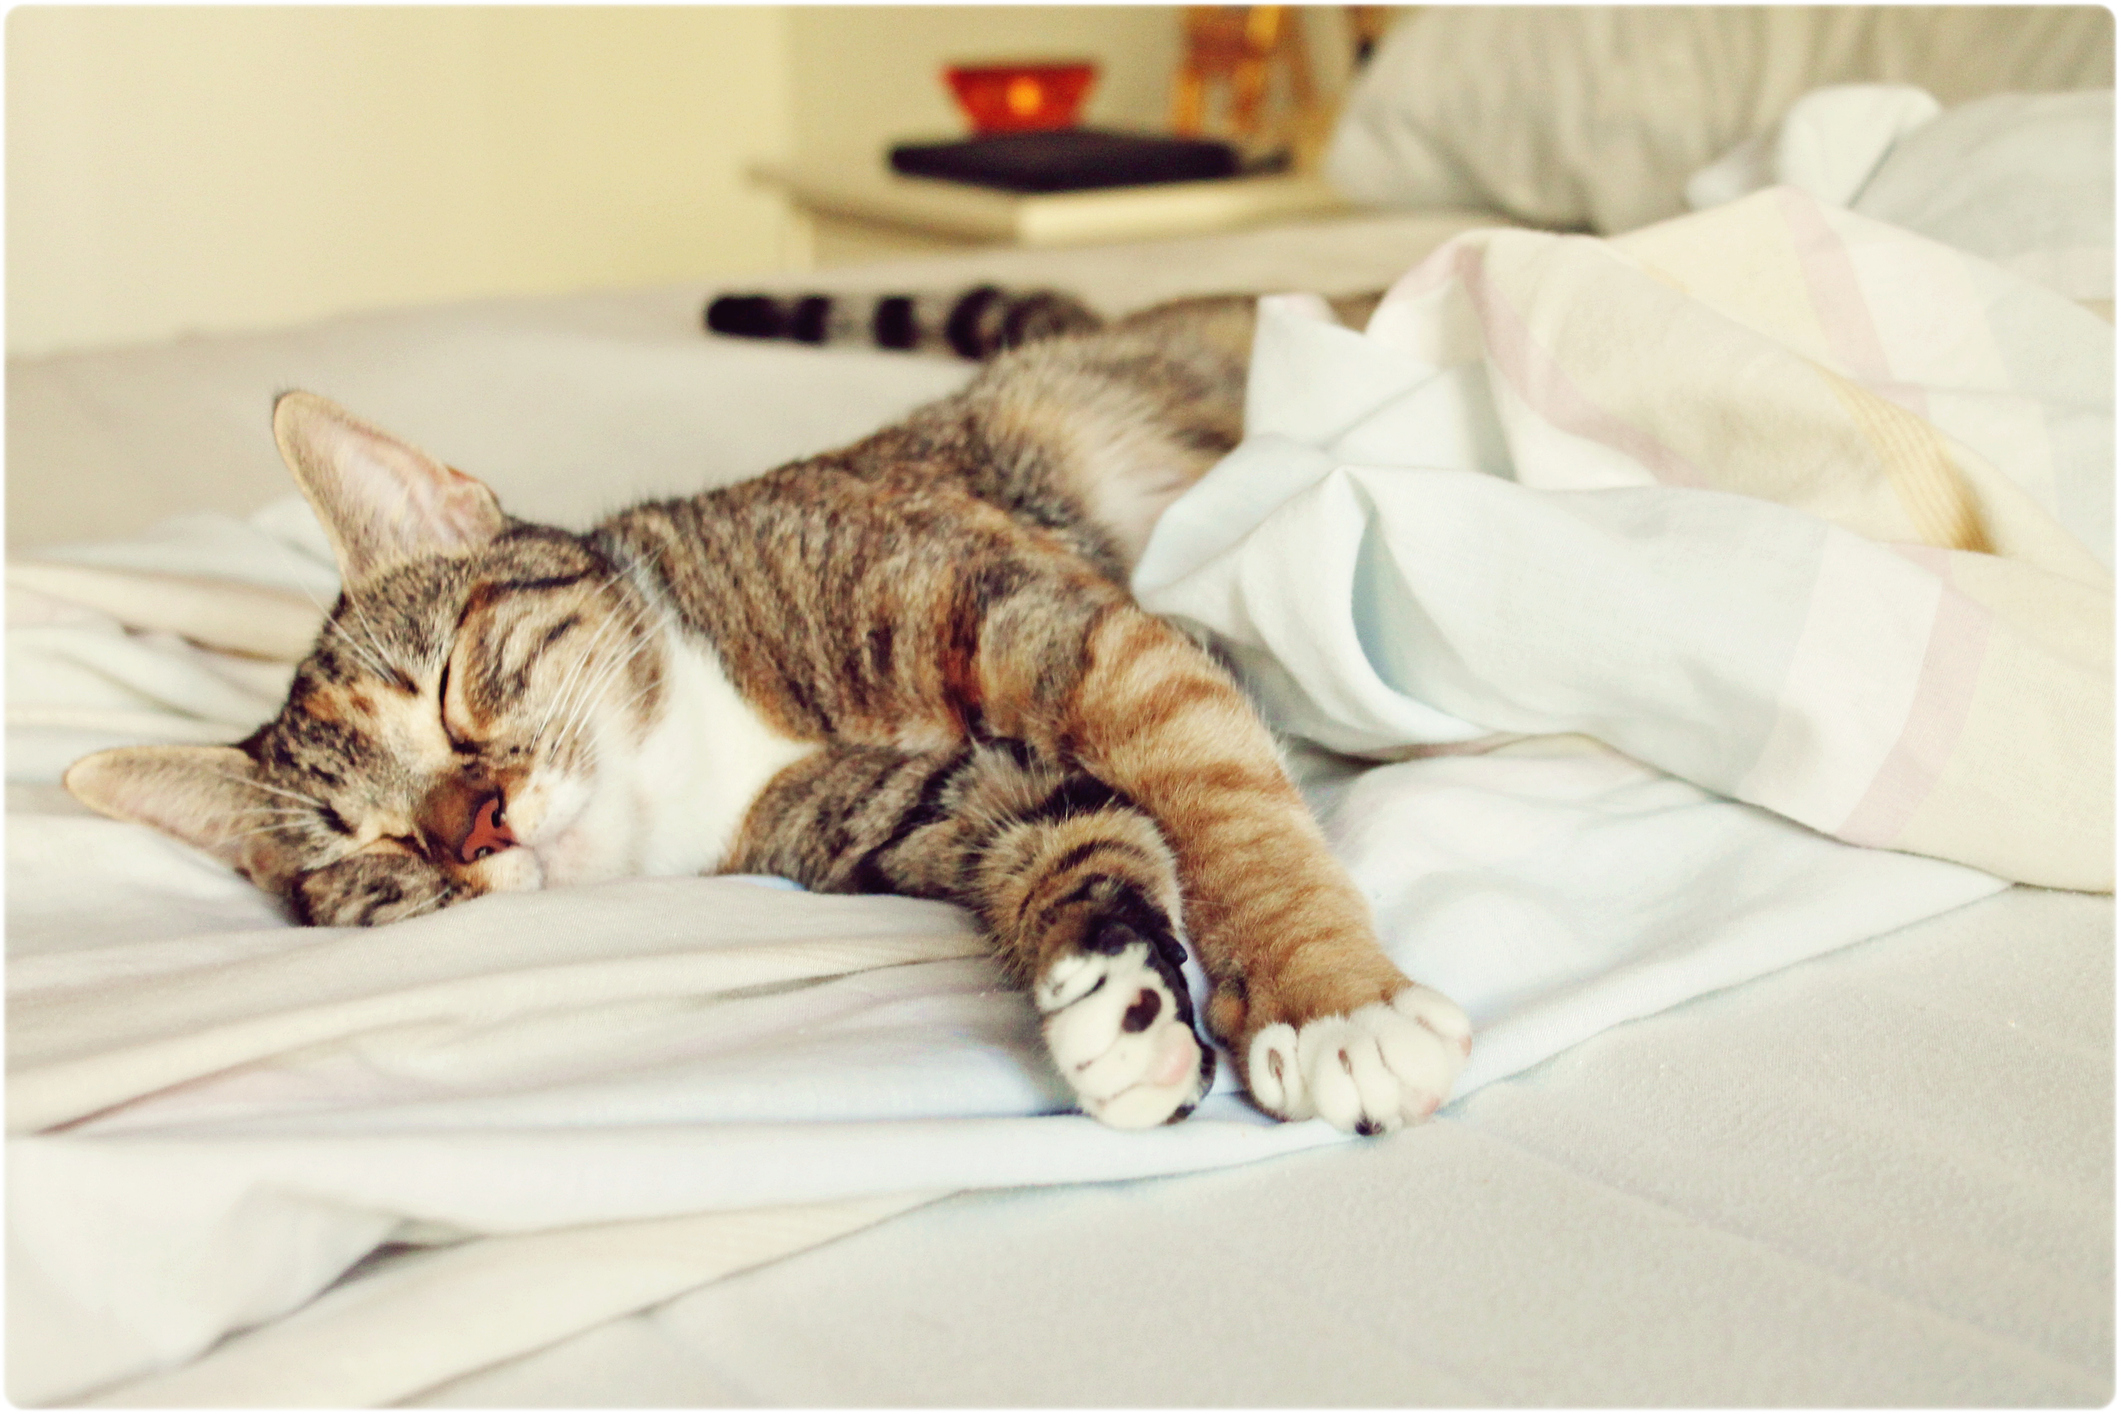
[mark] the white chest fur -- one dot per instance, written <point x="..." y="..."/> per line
<point x="701" y="765"/>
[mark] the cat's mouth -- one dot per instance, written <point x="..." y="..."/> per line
<point x="550" y="826"/>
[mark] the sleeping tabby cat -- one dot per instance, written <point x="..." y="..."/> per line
<point x="909" y="666"/>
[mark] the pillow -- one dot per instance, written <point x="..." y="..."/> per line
<point x="2025" y="180"/>
<point x="1594" y="118"/>
<point x="1829" y="144"/>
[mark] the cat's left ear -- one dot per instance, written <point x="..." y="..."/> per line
<point x="383" y="501"/>
<point x="206" y="796"/>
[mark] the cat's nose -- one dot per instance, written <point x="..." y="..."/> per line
<point x="488" y="834"/>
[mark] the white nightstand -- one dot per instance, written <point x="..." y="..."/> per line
<point x="858" y="214"/>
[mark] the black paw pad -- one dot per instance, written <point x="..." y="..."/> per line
<point x="1112" y="936"/>
<point x="1368" y="1127"/>
<point x="1145" y="1010"/>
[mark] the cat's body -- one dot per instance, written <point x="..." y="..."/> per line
<point x="908" y="666"/>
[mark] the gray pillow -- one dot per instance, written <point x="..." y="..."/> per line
<point x="1594" y="118"/>
<point x="2023" y="180"/>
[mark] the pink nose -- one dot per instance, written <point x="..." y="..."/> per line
<point x="488" y="835"/>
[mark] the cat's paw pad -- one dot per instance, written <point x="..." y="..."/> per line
<point x="1119" y="1032"/>
<point x="1374" y="1069"/>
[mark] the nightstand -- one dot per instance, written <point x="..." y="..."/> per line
<point x="858" y="214"/>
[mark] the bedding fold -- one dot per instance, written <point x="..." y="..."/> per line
<point x="1660" y="581"/>
<point x="1708" y="494"/>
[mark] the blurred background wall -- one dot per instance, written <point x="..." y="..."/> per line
<point x="174" y="168"/>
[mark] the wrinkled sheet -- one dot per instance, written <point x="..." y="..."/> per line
<point x="1784" y="502"/>
<point x="1880" y="1179"/>
<point x="2023" y="180"/>
<point x="554" y="1109"/>
<point x="214" y="1115"/>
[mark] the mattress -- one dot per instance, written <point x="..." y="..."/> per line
<point x="1883" y="1175"/>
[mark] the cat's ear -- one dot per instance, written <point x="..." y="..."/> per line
<point x="206" y="796"/>
<point x="383" y="501"/>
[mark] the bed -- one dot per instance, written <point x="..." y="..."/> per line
<point x="1762" y="1110"/>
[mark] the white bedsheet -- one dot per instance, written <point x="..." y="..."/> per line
<point x="1773" y="498"/>
<point x="214" y="1115"/>
<point x="574" y="1105"/>
<point x="1880" y="1179"/>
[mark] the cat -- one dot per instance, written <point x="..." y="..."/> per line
<point x="908" y="666"/>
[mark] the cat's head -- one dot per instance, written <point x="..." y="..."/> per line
<point x="465" y="722"/>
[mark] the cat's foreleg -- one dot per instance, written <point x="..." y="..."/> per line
<point x="1075" y="886"/>
<point x="1319" y="1018"/>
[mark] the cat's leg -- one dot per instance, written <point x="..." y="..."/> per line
<point x="1074" y="884"/>
<point x="1319" y="1018"/>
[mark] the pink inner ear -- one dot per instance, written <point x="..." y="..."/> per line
<point x="383" y="500"/>
<point x="412" y="503"/>
<point x="441" y="509"/>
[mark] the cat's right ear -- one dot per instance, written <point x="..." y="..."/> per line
<point x="206" y="796"/>
<point x="383" y="501"/>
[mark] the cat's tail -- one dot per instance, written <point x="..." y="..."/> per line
<point x="976" y="323"/>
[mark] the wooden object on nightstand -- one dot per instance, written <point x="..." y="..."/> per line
<point x="1366" y="28"/>
<point x="1240" y="48"/>
<point x="860" y="214"/>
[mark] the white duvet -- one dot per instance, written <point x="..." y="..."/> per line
<point x="1564" y="497"/>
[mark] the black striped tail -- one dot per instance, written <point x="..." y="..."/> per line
<point x="975" y="324"/>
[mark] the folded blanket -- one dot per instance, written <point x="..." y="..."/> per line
<point x="531" y="1113"/>
<point x="1789" y="504"/>
<point x="2023" y="180"/>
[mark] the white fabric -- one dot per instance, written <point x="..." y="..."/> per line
<point x="1827" y="145"/>
<point x="1882" y="1179"/>
<point x="249" y="1109"/>
<point x="548" y="1096"/>
<point x="2025" y="181"/>
<point x="1593" y="117"/>
<point x="1505" y="509"/>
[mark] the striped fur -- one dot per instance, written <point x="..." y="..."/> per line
<point x="977" y="323"/>
<point x="909" y="666"/>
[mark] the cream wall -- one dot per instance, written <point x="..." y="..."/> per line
<point x="176" y="169"/>
<point x="173" y="168"/>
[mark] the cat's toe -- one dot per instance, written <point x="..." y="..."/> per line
<point x="1371" y="1070"/>
<point x="1120" y="1037"/>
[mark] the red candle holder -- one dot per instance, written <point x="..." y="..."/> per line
<point x="1016" y="98"/>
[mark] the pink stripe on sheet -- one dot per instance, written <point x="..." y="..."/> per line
<point x="1837" y="300"/>
<point x="1951" y="667"/>
<point x="1516" y="354"/>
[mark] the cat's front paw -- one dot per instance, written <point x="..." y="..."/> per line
<point x="1119" y="1029"/>
<point x="1370" y="1070"/>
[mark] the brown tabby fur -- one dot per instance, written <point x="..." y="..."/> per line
<point x="940" y="607"/>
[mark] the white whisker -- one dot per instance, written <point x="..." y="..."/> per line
<point x="562" y="694"/>
<point x="371" y="653"/>
<point x="379" y="664"/>
<point x="591" y="692"/>
<point x="578" y="696"/>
